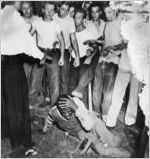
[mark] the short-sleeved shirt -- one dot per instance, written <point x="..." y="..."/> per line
<point x="47" y="32"/>
<point x="68" y="26"/>
<point x="96" y="32"/>
<point x="81" y="38"/>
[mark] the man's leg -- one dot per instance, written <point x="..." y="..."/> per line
<point x="64" y="73"/>
<point x="131" y="112"/>
<point x="53" y="72"/>
<point x="98" y="88"/>
<point x="73" y="76"/>
<point x="87" y="75"/>
<point x="111" y="152"/>
<point x="28" y="69"/>
<point x="109" y="80"/>
<point x="36" y="81"/>
<point x="121" y="83"/>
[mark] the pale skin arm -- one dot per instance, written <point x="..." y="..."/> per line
<point x="62" y="48"/>
<point x="76" y="49"/>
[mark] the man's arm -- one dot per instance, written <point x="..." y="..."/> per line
<point x="76" y="49"/>
<point x="62" y="49"/>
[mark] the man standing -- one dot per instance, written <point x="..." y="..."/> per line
<point x="108" y="64"/>
<point x="48" y="32"/>
<point x="68" y="29"/>
<point x="83" y="34"/>
<point x="27" y="11"/>
<point x="96" y="26"/>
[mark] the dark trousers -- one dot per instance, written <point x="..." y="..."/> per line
<point x="76" y="73"/>
<point x="15" y="107"/>
<point x="58" y="77"/>
<point x="64" y="74"/>
<point x="103" y="85"/>
<point x="88" y="74"/>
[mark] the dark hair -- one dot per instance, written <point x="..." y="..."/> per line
<point x="28" y="2"/>
<point x="48" y="2"/>
<point x="4" y="3"/>
<point x="80" y="10"/>
<point x="96" y="4"/>
<point x="65" y="3"/>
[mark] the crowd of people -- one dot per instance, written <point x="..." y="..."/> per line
<point x="59" y="55"/>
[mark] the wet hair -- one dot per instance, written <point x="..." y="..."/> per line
<point x="80" y="10"/>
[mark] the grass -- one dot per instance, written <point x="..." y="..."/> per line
<point x="54" y="144"/>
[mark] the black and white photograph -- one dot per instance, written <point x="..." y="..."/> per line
<point x="75" y="79"/>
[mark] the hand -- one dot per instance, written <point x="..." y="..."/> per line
<point x="55" y="44"/>
<point x="61" y="61"/>
<point x="70" y="49"/>
<point x="88" y="61"/>
<point x="88" y="52"/>
<point x="76" y="62"/>
<point x="109" y="56"/>
<point x="105" y="53"/>
<point x="46" y="57"/>
<point x="108" y="48"/>
<point x="64" y="102"/>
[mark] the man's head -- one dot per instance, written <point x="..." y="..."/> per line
<point x="72" y="11"/>
<point x="26" y="8"/>
<point x="48" y="10"/>
<point x="64" y="9"/>
<point x="79" y="17"/>
<point x="65" y="111"/>
<point x="86" y="6"/>
<point x="110" y="13"/>
<point x="95" y="11"/>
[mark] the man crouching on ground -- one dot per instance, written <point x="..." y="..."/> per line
<point x="71" y="115"/>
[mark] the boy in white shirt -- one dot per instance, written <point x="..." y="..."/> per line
<point x="48" y="32"/>
<point x="96" y="27"/>
<point x="27" y="14"/>
<point x="83" y="34"/>
<point x="68" y="29"/>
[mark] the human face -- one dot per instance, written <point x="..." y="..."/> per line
<point x="49" y="11"/>
<point x="26" y="10"/>
<point x="17" y="5"/>
<point x="110" y="13"/>
<point x="86" y="6"/>
<point x="64" y="10"/>
<point x="78" y="19"/>
<point x="95" y="12"/>
<point x="72" y="11"/>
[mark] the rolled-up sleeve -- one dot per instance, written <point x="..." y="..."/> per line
<point x="83" y="115"/>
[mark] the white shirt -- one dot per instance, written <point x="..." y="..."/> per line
<point x="82" y="36"/>
<point x="15" y="38"/>
<point x="47" y="32"/>
<point x="68" y="26"/>
<point x="29" y="25"/>
<point x="98" y="32"/>
<point x="112" y="36"/>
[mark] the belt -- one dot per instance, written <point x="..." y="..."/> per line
<point x="45" y="50"/>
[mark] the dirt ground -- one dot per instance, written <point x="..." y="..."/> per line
<point x="55" y="144"/>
